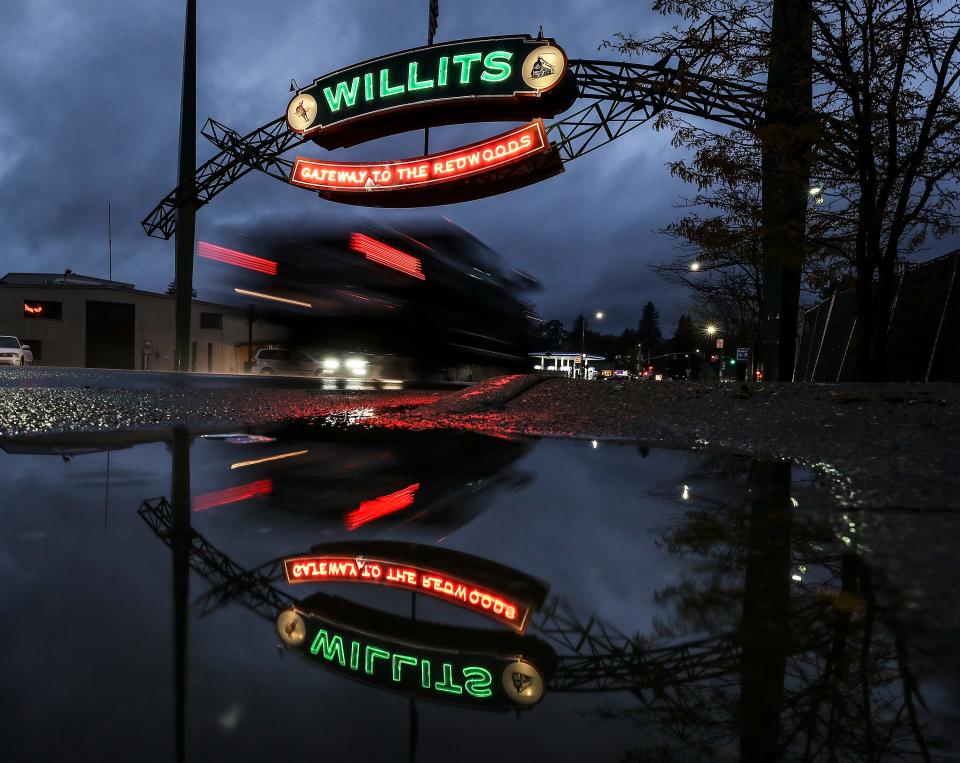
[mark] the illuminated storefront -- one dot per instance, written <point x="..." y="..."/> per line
<point x="565" y="363"/>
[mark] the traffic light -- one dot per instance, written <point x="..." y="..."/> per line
<point x="714" y="358"/>
<point x="733" y="362"/>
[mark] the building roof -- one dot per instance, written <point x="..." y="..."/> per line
<point x="76" y="281"/>
<point x="67" y="278"/>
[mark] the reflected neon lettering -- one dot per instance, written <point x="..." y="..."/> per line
<point x="331" y="648"/>
<point x="400" y="668"/>
<point x="477" y="681"/>
<point x="410" y="577"/>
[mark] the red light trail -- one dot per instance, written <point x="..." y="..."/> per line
<point x="233" y="257"/>
<point x="380" y="507"/>
<point x="232" y="494"/>
<point x="384" y="254"/>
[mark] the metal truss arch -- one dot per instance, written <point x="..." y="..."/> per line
<point x="621" y="96"/>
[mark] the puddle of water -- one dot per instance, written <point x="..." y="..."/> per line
<point x="698" y="608"/>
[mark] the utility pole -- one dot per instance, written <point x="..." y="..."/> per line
<point x="109" y="250"/>
<point x="186" y="201"/>
<point x="786" y="137"/>
<point x="433" y="16"/>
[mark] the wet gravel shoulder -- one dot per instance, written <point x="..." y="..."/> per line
<point x="878" y="445"/>
<point x="41" y="405"/>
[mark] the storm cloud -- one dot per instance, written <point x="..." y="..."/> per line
<point x="90" y="115"/>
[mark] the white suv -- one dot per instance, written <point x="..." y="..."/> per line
<point x="287" y="362"/>
<point x="12" y="353"/>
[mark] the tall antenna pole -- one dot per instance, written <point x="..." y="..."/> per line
<point x="433" y="15"/>
<point x="109" y="253"/>
<point x="186" y="202"/>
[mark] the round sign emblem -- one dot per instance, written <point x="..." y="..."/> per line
<point x="291" y="628"/>
<point x="543" y="67"/>
<point x="301" y="112"/>
<point x="522" y="683"/>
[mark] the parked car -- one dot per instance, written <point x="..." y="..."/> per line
<point x="285" y="362"/>
<point x="12" y="353"/>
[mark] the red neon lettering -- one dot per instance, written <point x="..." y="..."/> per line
<point x="438" y="168"/>
<point x="320" y="569"/>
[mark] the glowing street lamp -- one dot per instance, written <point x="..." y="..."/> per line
<point x="583" y="340"/>
<point x="694" y="266"/>
<point x="710" y="329"/>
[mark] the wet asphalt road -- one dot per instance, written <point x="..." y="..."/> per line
<point x="89" y="378"/>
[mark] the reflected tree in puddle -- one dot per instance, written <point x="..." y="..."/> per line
<point x="805" y="668"/>
<point x="770" y="647"/>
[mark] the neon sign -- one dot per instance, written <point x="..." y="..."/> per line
<point x="498" y="592"/>
<point x="479" y="80"/>
<point x="438" y="178"/>
<point x="478" y="668"/>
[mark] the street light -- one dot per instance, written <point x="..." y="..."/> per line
<point x="583" y="340"/>
<point x="694" y="266"/>
<point x="710" y="329"/>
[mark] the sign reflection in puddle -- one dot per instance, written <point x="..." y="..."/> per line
<point x="765" y="637"/>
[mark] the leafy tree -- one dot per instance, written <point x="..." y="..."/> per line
<point x="550" y="335"/>
<point x="886" y="82"/>
<point x="172" y="289"/>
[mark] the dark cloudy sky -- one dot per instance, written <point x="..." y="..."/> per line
<point x="89" y="113"/>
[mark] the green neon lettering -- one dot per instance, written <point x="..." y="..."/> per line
<point x="502" y="68"/>
<point x="425" y="674"/>
<point x="415" y="84"/>
<point x="465" y="61"/>
<point x="477" y="681"/>
<point x="386" y="89"/>
<point x="343" y="93"/>
<point x="447" y="683"/>
<point x="370" y="654"/>
<point x="368" y="86"/>
<point x="354" y="655"/>
<point x="331" y="647"/>
<point x="442" y="71"/>
<point x="398" y="661"/>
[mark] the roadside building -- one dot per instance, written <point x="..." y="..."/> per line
<point x="81" y="321"/>
<point x="566" y="363"/>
